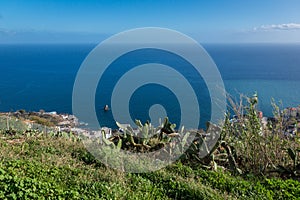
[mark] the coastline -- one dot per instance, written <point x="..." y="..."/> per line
<point x="64" y="122"/>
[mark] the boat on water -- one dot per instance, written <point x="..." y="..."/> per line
<point x="106" y="108"/>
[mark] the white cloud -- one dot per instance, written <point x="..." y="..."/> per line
<point x="289" y="26"/>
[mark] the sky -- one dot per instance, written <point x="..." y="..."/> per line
<point x="91" y="21"/>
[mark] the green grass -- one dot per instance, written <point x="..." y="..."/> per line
<point x="44" y="167"/>
<point x="12" y="122"/>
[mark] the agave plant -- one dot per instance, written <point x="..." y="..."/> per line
<point x="147" y="138"/>
<point x="186" y="145"/>
<point x="212" y="157"/>
<point x="139" y="140"/>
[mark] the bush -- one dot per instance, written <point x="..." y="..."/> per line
<point x="41" y="120"/>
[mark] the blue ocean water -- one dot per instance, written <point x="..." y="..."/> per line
<point x="41" y="76"/>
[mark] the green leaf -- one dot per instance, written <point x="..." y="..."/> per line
<point x="173" y="126"/>
<point x="215" y="165"/>
<point x="119" y="145"/>
<point x="145" y="131"/>
<point x="182" y="129"/>
<point x="184" y="140"/>
<point x="292" y="154"/>
<point x="106" y="141"/>
<point x="138" y="123"/>
<point x="166" y="121"/>
<point x="121" y="125"/>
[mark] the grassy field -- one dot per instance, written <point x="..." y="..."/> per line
<point x="248" y="161"/>
<point x="39" y="166"/>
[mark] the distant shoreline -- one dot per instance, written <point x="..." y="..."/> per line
<point x="70" y="123"/>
